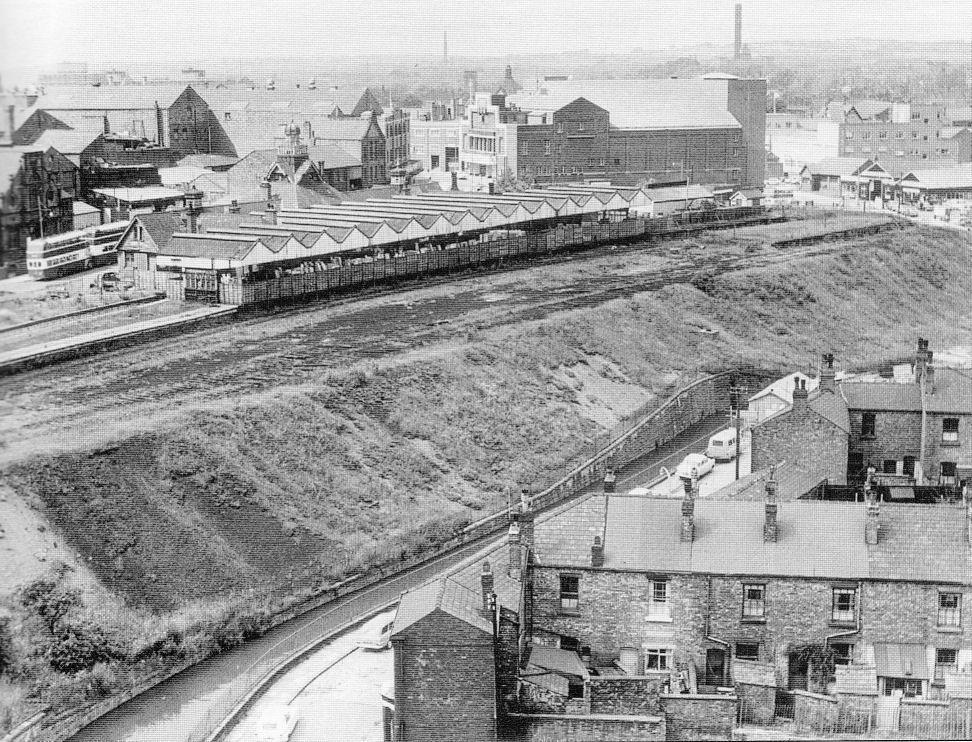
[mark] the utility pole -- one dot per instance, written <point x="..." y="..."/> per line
<point x="735" y="390"/>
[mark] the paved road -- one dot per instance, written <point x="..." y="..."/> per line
<point x="172" y="710"/>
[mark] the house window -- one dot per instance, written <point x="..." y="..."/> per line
<point x="867" y="425"/>
<point x="890" y="466"/>
<point x="659" y="607"/>
<point x="945" y="659"/>
<point x="910" y="688"/>
<point x="747" y="651"/>
<point x="950" y="609"/>
<point x="950" y="427"/>
<point x="526" y="149"/>
<point x="546" y="148"/>
<point x="843" y="653"/>
<point x="948" y="473"/>
<point x="754" y="601"/>
<point x="656" y="659"/>
<point x="844" y="605"/>
<point x="909" y="466"/>
<point x="569" y="592"/>
<point x="569" y="643"/>
<point x="575" y="689"/>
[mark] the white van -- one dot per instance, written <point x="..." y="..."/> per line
<point x="723" y="446"/>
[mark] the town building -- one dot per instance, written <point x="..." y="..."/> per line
<point x="934" y="186"/>
<point x="919" y="429"/>
<point x="396" y="127"/>
<point x="145" y="236"/>
<point x="706" y="130"/>
<point x="489" y="139"/>
<point x="38" y="187"/>
<point x="436" y="143"/>
<point x="360" y="137"/>
<point x="170" y="116"/>
<point x="848" y="177"/>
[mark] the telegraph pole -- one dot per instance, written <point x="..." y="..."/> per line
<point x="735" y="390"/>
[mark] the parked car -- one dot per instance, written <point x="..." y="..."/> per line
<point x="698" y="461"/>
<point x="723" y="446"/>
<point x="276" y="725"/>
<point x="378" y="641"/>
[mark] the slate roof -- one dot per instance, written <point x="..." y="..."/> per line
<point x="816" y="539"/>
<point x="641" y="104"/>
<point x="216" y="247"/>
<point x="160" y="226"/>
<point x="858" y="680"/>
<point x="333" y="156"/>
<point x="952" y="393"/>
<point x="793" y="480"/>
<point x="65" y="141"/>
<point x="839" y="166"/>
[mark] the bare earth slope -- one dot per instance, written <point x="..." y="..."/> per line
<point x="283" y="452"/>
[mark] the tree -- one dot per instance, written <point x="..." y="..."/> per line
<point x="6" y="646"/>
<point x="49" y="601"/>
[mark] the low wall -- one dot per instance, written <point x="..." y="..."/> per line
<point x="921" y="719"/>
<point x="813" y="710"/>
<point x="629" y="694"/>
<point x="757" y="703"/>
<point x="699" y="717"/>
<point x="594" y="728"/>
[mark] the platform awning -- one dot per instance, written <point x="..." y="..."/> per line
<point x="901" y="661"/>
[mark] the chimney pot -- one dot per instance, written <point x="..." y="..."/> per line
<point x="827" y="375"/>
<point x="597" y="553"/>
<point x="800" y="395"/>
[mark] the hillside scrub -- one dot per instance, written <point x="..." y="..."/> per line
<point x="211" y="524"/>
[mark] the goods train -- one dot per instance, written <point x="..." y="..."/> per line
<point x="70" y="252"/>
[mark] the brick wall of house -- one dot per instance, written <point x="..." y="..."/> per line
<point x="542" y="728"/>
<point x="691" y="717"/>
<point x="896" y="435"/>
<point x="444" y="681"/>
<point x="938" y="450"/>
<point x="801" y="435"/>
<point x="908" y="613"/>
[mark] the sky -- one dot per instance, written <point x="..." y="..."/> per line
<point x="142" y="33"/>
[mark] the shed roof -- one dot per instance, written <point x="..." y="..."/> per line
<point x="943" y="178"/>
<point x="901" y="661"/>
<point x="558" y="660"/>
<point x="217" y="247"/>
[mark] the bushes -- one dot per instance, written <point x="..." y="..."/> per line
<point x="74" y="648"/>
<point x="6" y="646"/>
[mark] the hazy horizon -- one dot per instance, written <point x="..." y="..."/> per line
<point x="139" y="35"/>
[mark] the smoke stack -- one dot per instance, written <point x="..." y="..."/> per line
<point x="800" y="395"/>
<point x="771" y="526"/>
<point x="871" y="525"/>
<point x="597" y="553"/>
<point x="737" y="49"/>
<point x="688" y="512"/>
<point x="486" y="579"/>
<point x="828" y="382"/>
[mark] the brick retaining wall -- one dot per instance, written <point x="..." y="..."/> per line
<point x="699" y="717"/>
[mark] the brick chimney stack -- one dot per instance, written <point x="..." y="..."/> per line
<point x="800" y="395"/>
<point x="486" y="578"/>
<point x="871" y="525"/>
<point x="771" y="530"/>
<point x="513" y="540"/>
<point x="194" y="202"/>
<point x="923" y="359"/>
<point x="597" y="553"/>
<point x="688" y="512"/>
<point x="527" y="517"/>
<point x="828" y="380"/>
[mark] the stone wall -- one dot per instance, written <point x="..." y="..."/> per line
<point x="444" y="681"/>
<point x="699" y="717"/>
<point x="627" y="694"/>
<point x="597" y="728"/>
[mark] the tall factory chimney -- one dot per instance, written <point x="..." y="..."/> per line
<point x="738" y="47"/>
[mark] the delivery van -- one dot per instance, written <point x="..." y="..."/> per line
<point x="723" y="446"/>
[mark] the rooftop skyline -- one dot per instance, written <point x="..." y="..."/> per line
<point x="138" y="34"/>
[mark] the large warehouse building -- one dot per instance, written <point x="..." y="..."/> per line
<point x="708" y="130"/>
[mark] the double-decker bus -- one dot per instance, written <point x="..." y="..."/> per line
<point x="71" y="252"/>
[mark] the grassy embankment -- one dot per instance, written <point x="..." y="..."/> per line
<point x="197" y="532"/>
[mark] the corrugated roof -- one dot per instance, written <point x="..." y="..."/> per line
<point x="860" y="680"/>
<point x="558" y="660"/>
<point x="901" y="661"/>
<point x="641" y="104"/>
<point x="678" y="193"/>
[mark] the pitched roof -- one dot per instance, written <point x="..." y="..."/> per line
<point x="160" y="226"/>
<point x="65" y="141"/>
<point x="137" y="194"/>
<point x="558" y="660"/>
<point x="957" y="176"/>
<point x="333" y="156"/>
<point x="839" y="166"/>
<point x="208" y="161"/>
<point x="218" y="247"/>
<point x="952" y="393"/>
<point x="79" y="208"/>
<point x="641" y="104"/>
<point x="793" y="479"/>
<point x="348" y="130"/>
<point x="816" y="539"/>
